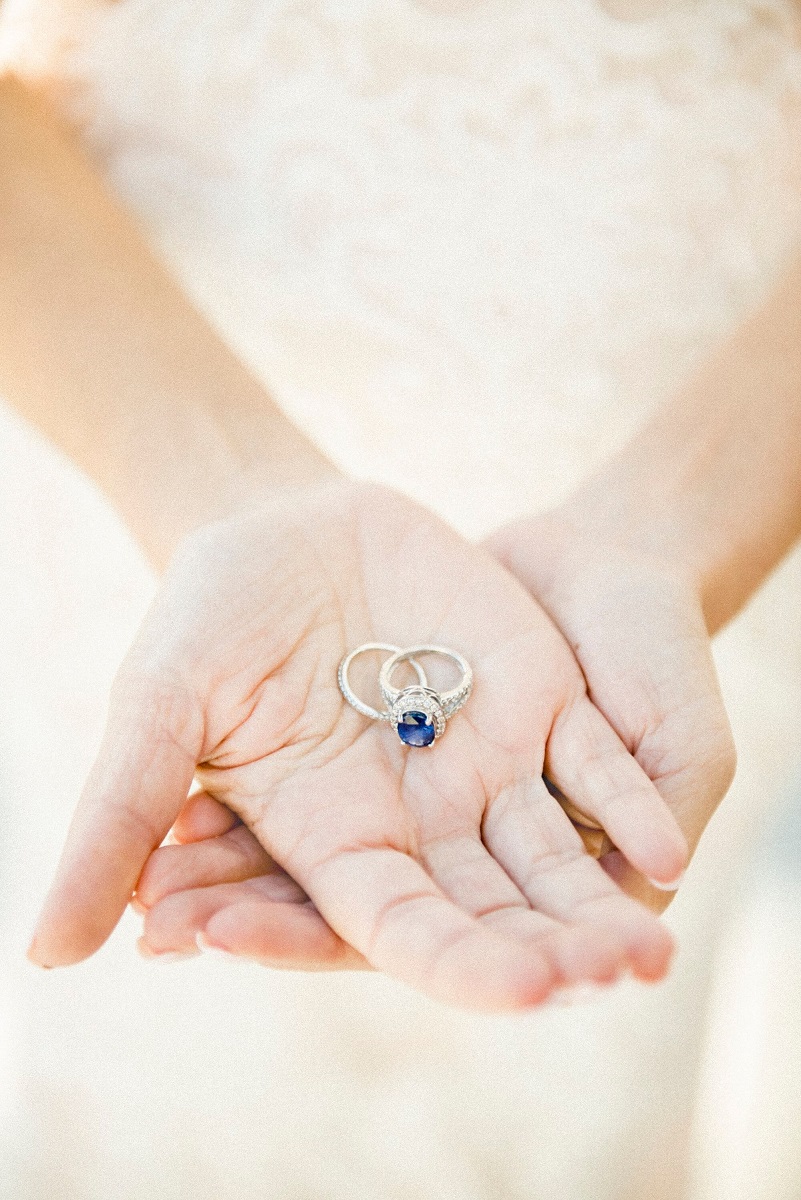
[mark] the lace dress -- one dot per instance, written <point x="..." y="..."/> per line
<point x="468" y="245"/>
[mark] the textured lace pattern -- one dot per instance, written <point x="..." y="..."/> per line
<point x="466" y="244"/>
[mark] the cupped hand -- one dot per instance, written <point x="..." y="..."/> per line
<point x="636" y="625"/>
<point x="449" y="867"/>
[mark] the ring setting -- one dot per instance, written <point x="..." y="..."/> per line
<point x="417" y="717"/>
<point x="417" y="713"/>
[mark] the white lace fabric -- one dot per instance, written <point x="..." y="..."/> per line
<point x="443" y="230"/>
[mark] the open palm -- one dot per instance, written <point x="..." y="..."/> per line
<point x="449" y="867"/>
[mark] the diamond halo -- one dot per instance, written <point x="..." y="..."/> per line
<point x="416" y="699"/>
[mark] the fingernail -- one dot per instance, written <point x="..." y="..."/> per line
<point x="165" y="955"/>
<point x="32" y="957"/>
<point x="206" y="947"/>
<point x="36" y="963"/>
<point x="667" y="887"/>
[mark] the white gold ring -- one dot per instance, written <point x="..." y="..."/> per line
<point x="418" y="714"/>
<point x="350" y="695"/>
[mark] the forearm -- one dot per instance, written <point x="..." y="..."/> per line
<point x="712" y="483"/>
<point x="102" y="351"/>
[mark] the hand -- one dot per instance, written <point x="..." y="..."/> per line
<point x="636" y="625"/>
<point x="638" y="631"/>
<point x="212" y="863"/>
<point x="452" y="869"/>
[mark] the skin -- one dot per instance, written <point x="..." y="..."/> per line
<point x="455" y="871"/>
<point x="639" y="569"/>
<point x="451" y="868"/>
<point x="319" y="841"/>
<point x="662" y="698"/>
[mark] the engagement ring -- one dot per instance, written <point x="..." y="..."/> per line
<point x="418" y="713"/>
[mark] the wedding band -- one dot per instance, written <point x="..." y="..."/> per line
<point x="350" y="695"/>
<point x="419" y="713"/>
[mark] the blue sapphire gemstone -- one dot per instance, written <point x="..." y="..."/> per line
<point x="415" y="729"/>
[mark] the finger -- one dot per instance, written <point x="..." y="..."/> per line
<point x="268" y="918"/>
<point x="461" y="866"/>
<point x="596" y="841"/>
<point x="468" y="874"/>
<point x="383" y="903"/>
<point x="229" y="858"/>
<point x="293" y="936"/>
<point x="135" y="789"/>
<point x="693" y="788"/>
<point x="202" y="817"/>
<point x="589" y="763"/>
<point x="634" y="884"/>
<point x="532" y="838"/>
<point x="580" y="953"/>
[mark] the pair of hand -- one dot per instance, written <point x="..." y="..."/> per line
<point x="319" y="840"/>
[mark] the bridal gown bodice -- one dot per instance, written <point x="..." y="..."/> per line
<point x="469" y="245"/>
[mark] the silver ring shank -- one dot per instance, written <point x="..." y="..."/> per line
<point x="451" y="700"/>
<point x="350" y="695"/>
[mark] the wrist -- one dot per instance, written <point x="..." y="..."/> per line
<point x="208" y="466"/>
<point x="711" y="486"/>
<point x="578" y="558"/>
<point x="615" y="515"/>
<point x="108" y="357"/>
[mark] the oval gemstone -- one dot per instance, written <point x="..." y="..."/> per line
<point x="415" y="729"/>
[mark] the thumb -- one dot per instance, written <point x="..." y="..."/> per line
<point x="137" y="786"/>
<point x="692" y="782"/>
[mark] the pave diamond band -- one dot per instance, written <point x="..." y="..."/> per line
<point x="417" y="713"/>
